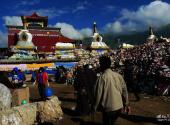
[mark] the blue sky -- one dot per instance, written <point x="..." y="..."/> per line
<point x="76" y="17"/>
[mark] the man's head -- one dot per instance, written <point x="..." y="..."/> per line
<point x="105" y="62"/>
<point x="41" y="69"/>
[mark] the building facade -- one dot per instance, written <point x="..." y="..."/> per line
<point x="44" y="37"/>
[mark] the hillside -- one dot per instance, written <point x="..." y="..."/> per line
<point x="131" y="38"/>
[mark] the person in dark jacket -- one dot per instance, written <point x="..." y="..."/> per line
<point x="4" y="80"/>
<point x="84" y="83"/>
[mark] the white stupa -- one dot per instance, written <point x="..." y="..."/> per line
<point x="25" y="39"/>
<point x="97" y="42"/>
<point x="151" y="38"/>
<point x="125" y="45"/>
<point x="24" y="49"/>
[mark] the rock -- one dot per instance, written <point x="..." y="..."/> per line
<point x="45" y="112"/>
<point x="49" y="110"/>
<point x="28" y="113"/>
<point x="10" y="117"/>
<point x="5" y="97"/>
<point x="20" y="115"/>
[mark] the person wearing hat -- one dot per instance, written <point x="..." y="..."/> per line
<point x="17" y="77"/>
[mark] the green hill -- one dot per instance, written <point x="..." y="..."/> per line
<point x="135" y="38"/>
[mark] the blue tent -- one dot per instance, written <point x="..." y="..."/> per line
<point x="66" y="64"/>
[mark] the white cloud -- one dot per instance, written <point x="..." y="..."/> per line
<point x="86" y="32"/>
<point x="13" y="20"/>
<point x="115" y="27"/>
<point x="3" y="40"/>
<point x="70" y="32"/>
<point x="155" y="14"/>
<point x="79" y="8"/>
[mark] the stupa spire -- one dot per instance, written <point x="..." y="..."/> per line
<point x="150" y="31"/>
<point x="94" y="28"/>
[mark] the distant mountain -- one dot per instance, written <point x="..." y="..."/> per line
<point x="135" y="38"/>
<point x="163" y="31"/>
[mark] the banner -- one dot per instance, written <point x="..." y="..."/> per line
<point x="9" y="67"/>
<point x="23" y="67"/>
<point x="37" y="66"/>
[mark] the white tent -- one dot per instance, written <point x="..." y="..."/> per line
<point x="61" y="45"/>
<point x="125" y="45"/>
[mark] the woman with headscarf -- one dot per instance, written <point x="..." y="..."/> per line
<point x="42" y="80"/>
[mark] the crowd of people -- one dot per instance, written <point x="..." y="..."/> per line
<point x="64" y="75"/>
<point x="146" y="68"/>
<point x="147" y="65"/>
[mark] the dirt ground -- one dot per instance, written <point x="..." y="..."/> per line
<point x="144" y="112"/>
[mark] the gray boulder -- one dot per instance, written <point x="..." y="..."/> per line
<point x="31" y="113"/>
<point x="20" y="115"/>
<point x="10" y="117"/>
<point x="49" y="110"/>
<point x="5" y="97"/>
<point x="28" y="113"/>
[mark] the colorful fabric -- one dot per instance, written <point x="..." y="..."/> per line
<point x="42" y="78"/>
<point x="18" y="77"/>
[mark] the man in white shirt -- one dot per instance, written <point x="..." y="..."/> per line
<point x="110" y="91"/>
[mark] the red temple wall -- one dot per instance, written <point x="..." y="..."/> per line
<point x="45" y="40"/>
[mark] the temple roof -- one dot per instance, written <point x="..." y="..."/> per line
<point x="35" y="16"/>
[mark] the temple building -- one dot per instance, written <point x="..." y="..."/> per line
<point x="44" y="38"/>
